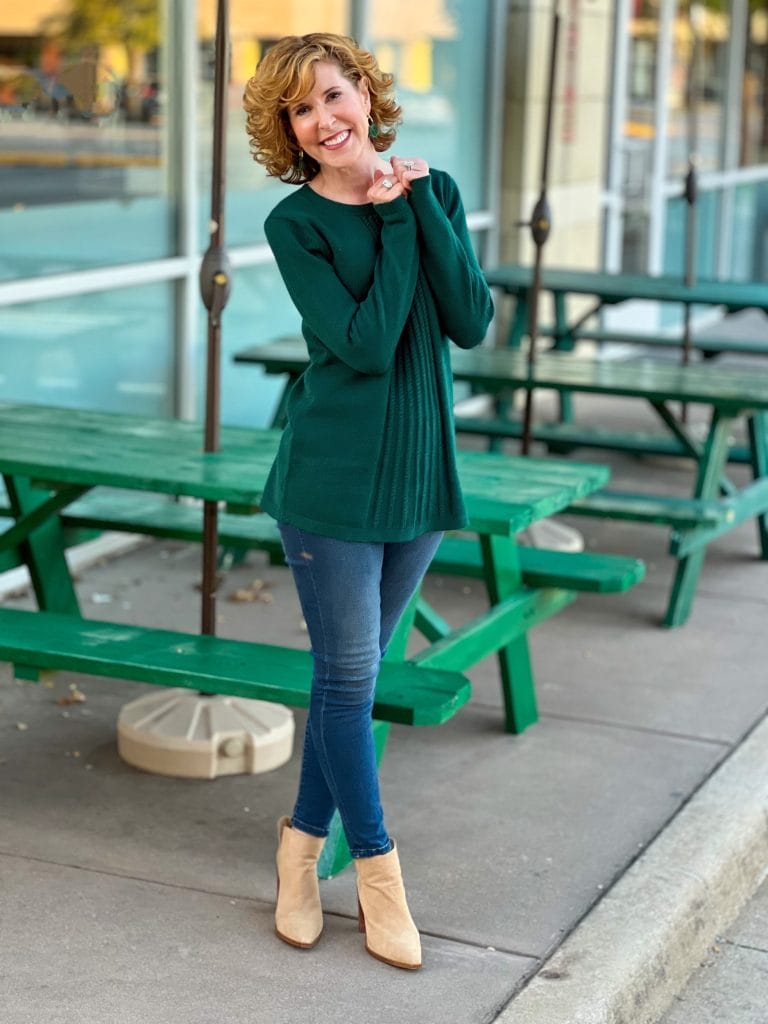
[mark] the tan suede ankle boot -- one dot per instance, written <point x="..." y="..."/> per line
<point x="382" y="912"/>
<point x="298" y="915"/>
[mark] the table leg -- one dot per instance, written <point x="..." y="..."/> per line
<point x="713" y="460"/>
<point x="503" y="577"/>
<point x="564" y="342"/>
<point x="757" y="425"/>
<point x="43" y="550"/>
<point x="519" y="325"/>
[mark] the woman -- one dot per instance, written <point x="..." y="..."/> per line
<point x="377" y="259"/>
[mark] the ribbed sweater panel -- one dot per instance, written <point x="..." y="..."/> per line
<point x="369" y="451"/>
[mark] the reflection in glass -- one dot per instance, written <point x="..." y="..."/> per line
<point x="82" y="177"/>
<point x="749" y="245"/>
<point x="754" y="110"/>
<point x="436" y="50"/>
<point x="697" y="87"/>
<point x="639" y="134"/>
<point x="253" y="27"/>
<point x="109" y="350"/>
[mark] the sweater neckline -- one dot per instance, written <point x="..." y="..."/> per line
<point x="358" y="208"/>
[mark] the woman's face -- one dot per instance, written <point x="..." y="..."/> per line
<point x="331" y="122"/>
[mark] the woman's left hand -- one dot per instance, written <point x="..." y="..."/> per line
<point x="407" y="169"/>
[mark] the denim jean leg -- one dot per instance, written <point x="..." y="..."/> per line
<point x="403" y="568"/>
<point x="338" y="587"/>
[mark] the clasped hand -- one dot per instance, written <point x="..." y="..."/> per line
<point x="397" y="182"/>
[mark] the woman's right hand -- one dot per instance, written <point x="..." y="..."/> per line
<point x="385" y="188"/>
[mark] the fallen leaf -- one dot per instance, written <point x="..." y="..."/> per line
<point x="74" y="696"/>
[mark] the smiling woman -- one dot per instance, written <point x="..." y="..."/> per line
<point x="377" y="259"/>
<point x="287" y="88"/>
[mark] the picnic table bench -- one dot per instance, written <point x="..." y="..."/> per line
<point x="612" y="289"/>
<point x="715" y="504"/>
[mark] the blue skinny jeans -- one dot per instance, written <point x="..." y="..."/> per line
<point x="352" y="595"/>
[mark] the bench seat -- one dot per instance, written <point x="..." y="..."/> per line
<point x="158" y="517"/>
<point x="405" y="693"/>
<point x="708" y="346"/>
<point x="581" y="570"/>
<point x="564" y="437"/>
<point x="681" y="513"/>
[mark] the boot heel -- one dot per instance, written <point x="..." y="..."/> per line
<point x="360" y="917"/>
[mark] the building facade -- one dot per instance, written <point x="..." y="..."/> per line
<point x="105" y="137"/>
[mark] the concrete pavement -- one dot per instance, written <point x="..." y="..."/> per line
<point x="577" y="873"/>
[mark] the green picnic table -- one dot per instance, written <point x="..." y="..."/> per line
<point x="56" y="463"/>
<point x="715" y="504"/>
<point x="66" y="468"/>
<point x="612" y="289"/>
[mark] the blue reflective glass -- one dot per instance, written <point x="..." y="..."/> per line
<point x="83" y="150"/>
<point x="110" y="350"/>
<point x="259" y="310"/>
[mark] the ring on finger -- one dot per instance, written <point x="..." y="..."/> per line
<point x="408" y="165"/>
<point x="386" y="183"/>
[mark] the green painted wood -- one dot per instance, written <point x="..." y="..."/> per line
<point x="749" y="503"/>
<point x="582" y="570"/>
<point x="612" y="288"/>
<point x="43" y="549"/>
<point x="497" y="369"/>
<point x="157" y="516"/>
<point x="405" y="693"/>
<point x="564" y="437"/>
<point x="707" y="487"/>
<point x="503" y="579"/>
<point x="429" y="623"/>
<point x="710" y="345"/>
<point x="101" y="449"/>
<point x="664" y="510"/>
<point x="36" y="515"/>
<point x="505" y="623"/>
<point x="758" y="435"/>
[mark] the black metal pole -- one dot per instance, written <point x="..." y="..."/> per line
<point x="540" y="225"/>
<point x="214" y="288"/>
<point x="690" y="192"/>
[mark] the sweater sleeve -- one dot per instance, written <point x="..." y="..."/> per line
<point x="362" y="334"/>
<point x="461" y="294"/>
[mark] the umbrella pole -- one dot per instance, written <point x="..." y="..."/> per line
<point x="690" y="192"/>
<point x="214" y="289"/>
<point x="540" y="225"/>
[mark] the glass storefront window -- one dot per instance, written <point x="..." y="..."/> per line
<point x="638" y="133"/>
<point x="754" y="111"/>
<point x="749" y="246"/>
<point x="259" y="310"/>
<point x="109" y="350"/>
<point x="697" y="86"/>
<point x="83" y="161"/>
<point x="253" y="27"/>
<point x="437" y="51"/>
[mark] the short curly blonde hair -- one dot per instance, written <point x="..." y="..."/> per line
<point x="284" y="75"/>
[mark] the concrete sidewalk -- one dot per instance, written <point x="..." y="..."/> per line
<point x="574" y="874"/>
<point x="732" y="983"/>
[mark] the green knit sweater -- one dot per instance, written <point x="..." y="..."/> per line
<point x="368" y="453"/>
